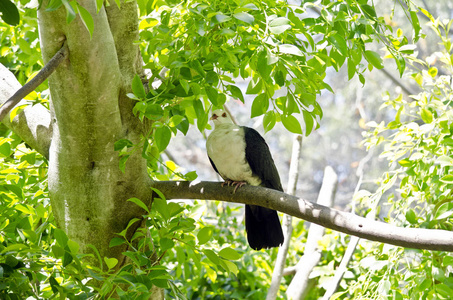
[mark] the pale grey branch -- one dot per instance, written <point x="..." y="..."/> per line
<point x="417" y="238"/>
<point x="35" y="81"/>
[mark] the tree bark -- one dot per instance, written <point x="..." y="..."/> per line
<point x="89" y="113"/>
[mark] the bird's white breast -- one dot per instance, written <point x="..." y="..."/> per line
<point x="226" y="148"/>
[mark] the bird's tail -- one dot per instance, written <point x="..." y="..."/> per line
<point x="263" y="227"/>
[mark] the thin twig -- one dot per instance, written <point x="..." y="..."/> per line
<point x="30" y="86"/>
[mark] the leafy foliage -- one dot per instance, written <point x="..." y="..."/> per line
<point x="196" y="53"/>
<point x="417" y="188"/>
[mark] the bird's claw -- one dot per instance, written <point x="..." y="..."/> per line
<point x="236" y="184"/>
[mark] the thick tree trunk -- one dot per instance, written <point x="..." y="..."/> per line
<point x="89" y="112"/>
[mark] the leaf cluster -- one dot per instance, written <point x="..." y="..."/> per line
<point x="198" y="53"/>
<point x="416" y="192"/>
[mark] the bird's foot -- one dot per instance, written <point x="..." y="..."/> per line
<point x="227" y="182"/>
<point x="236" y="184"/>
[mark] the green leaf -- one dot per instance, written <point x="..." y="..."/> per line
<point x="212" y="94"/>
<point x="153" y="111"/>
<point x="236" y="92"/>
<point x="139" y="203"/>
<point x="122" y="162"/>
<point x="166" y="243"/>
<point x="269" y="120"/>
<point x="161" y="207"/>
<point x="57" y="251"/>
<point x="339" y="43"/>
<point x="221" y="18"/>
<point x="116" y="241"/>
<point x="212" y="78"/>
<point x="374" y="59"/>
<point x="232" y="268"/>
<point x="67" y="257"/>
<point x="53" y="5"/>
<point x="61" y="237"/>
<point x="137" y="87"/>
<point x="25" y="209"/>
<point x="255" y="85"/>
<point x="444" y="211"/>
<point x="190" y="176"/>
<point x="291" y="124"/>
<point x="212" y="256"/>
<point x="5" y="149"/>
<point x="87" y="19"/>
<point x="400" y="63"/>
<point x="432" y="72"/>
<point x="279" y="25"/>
<point x="447" y="178"/>
<point x="415" y="25"/>
<point x="175" y="120"/>
<point x="411" y="217"/>
<point x="9" y="12"/>
<point x="110" y="262"/>
<point x="204" y="235"/>
<point x="196" y="65"/>
<point x="99" y="4"/>
<point x="162" y="137"/>
<point x="185" y="85"/>
<point x="54" y="284"/>
<point x="279" y="78"/>
<point x="121" y="144"/>
<point x="229" y="253"/>
<point x="260" y="105"/>
<point x="426" y="115"/>
<point x="245" y="17"/>
<point x="290" y="49"/>
<point x="309" y="122"/>
<point x="405" y="163"/>
<point x="202" y="116"/>
<point x="70" y="10"/>
<point x="262" y="67"/>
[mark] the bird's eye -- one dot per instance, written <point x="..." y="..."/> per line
<point x="224" y="115"/>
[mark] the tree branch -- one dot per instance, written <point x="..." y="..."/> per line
<point x="417" y="238"/>
<point x="298" y="288"/>
<point x="30" y="86"/>
<point x="32" y="124"/>
<point x="287" y="221"/>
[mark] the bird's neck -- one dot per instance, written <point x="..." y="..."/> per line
<point x="224" y="126"/>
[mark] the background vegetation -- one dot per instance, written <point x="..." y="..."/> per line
<point x="194" y="55"/>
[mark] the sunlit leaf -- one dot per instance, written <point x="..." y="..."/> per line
<point x="87" y="19"/>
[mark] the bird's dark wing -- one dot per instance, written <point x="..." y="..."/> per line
<point x="213" y="166"/>
<point x="260" y="159"/>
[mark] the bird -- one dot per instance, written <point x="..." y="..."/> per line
<point x="240" y="155"/>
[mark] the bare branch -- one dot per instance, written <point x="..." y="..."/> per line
<point x="403" y="87"/>
<point x="417" y="238"/>
<point x="287" y="221"/>
<point x="30" y="86"/>
<point x="300" y="283"/>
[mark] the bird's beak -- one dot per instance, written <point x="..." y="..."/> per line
<point x="214" y="117"/>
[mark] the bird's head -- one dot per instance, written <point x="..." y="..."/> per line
<point x="220" y="116"/>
